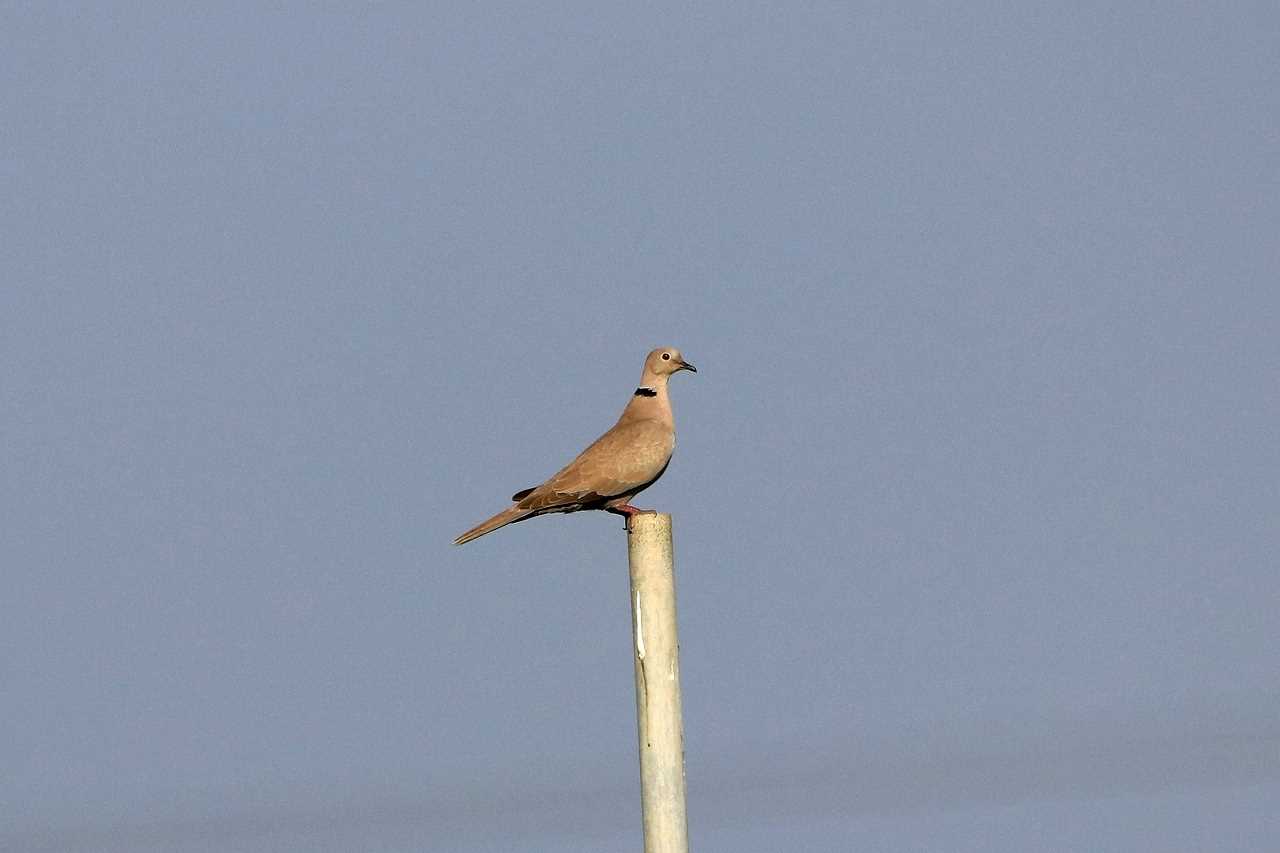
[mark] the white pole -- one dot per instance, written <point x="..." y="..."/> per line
<point x="656" y="650"/>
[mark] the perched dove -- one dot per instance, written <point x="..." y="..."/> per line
<point x="620" y="464"/>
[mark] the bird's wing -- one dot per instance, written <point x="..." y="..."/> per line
<point x="626" y="458"/>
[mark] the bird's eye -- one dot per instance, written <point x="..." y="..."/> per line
<point x="666" y="356"/>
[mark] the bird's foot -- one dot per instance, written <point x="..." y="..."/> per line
<point x="628" y="510"/>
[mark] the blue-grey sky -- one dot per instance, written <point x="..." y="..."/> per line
<point x="976" y="490"/>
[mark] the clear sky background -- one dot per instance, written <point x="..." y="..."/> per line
<point x="976" y="496"/>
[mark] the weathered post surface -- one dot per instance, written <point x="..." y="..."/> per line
<point x="656" y="649"/>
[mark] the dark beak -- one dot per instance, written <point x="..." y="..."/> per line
<point x="684" y="365"/>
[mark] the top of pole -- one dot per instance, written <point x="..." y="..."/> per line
<point x="649" y="542"/>
<point x="650" y="523"/>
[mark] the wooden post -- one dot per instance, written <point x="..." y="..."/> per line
<point x="656" y="649"/>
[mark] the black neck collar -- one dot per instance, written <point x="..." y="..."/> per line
<point x="645" y="391"/>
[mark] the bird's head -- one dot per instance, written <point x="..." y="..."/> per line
<point x="665" y="361"/>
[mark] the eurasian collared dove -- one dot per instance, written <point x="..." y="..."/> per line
<point x="618" y="465"/>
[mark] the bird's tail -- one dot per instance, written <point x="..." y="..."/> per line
<point x="505" y="517"/>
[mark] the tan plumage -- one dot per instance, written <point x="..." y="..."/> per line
<point x="617" y="466"/>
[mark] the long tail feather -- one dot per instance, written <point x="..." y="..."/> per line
<point x="507" y="516"/>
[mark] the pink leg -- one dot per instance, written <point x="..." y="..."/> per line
<point x="628" y="510"/>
